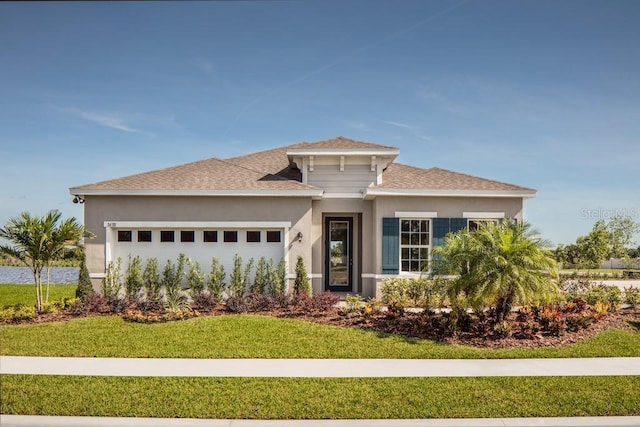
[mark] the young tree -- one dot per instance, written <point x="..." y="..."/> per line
<point x="37" y="241"/>
<point x="621" y="232"/>
<point x="133" y="281"/>
<point x="215" y="283"/>
<point x="301" y="284"/>
<point x="151" y="279"/>
<point x="595" y="247"/>
<point x="236" y="282"/>
<point x="499" y="264"/>
<point x="195" y="279"/>
<point x="85" y="288"/>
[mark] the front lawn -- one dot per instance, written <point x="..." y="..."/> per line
<point x="11" y="294"/>
<point x="300" y="398"/>
<point x="257" y="336"/>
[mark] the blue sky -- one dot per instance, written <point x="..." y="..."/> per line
<point x="544" y="94"/>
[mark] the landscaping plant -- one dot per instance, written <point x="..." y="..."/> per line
<point x="151" y="279"/>
<point x="133" y="281"/>
<point x="499" y="264"/>
<point x="215" y="282"/>
<point x="301" y="284"/>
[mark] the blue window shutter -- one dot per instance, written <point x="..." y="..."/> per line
<point x="440" y="229"/>
<point x="390" y="245"/>
<point x="457" y="224"/>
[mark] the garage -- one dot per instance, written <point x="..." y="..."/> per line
<point x="199" y="241"/>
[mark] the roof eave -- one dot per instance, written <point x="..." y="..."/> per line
<point x="313" y="193"/>
<point x="371" y="193"/>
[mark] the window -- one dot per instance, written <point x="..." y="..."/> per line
<point x="473" y="224"/>
<point x="253" y="236"/>
<point x="144" y="236"/>
<point x="414" y="244"/>
<point x="209" y="236"/>
<point x="187" y="236"/>
<point x="167" y="236"/>
<point x="230" y="236"/>
<point x="274" y="236"/>
<point x="124" y="235"/>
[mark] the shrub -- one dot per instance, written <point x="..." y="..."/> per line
<point x="215" y="282"/>
<point x="301" y="284"/>
<point x="112" y="281"/>
<point x="259" y="302"/>
<point x="354" y="305"/>
<point x="395" y="291"/>
<point x="529" y="329"/>
<point x="579" y="321"/>
<point x="325" y="301"/>
<point x="133" y="282"/>
<point x="172" y="281"/>
<point x="236" y="284"/>
<point x="302" y="302"/>
<point x="277" y="277"/>
<point x="195" y="279"/>
<point x="632" y="296"/>
<point x="246" y="275"/>
<point x="501" y="329"/>
<point x="261" y="277"/>
<point x="235" y="304"/>
<point x="151" y="280"/>
<point x="85" y="287"/>
<point x="600" y="310"/>
<point x="49" y="308"/>
<point x="205" y="301"/>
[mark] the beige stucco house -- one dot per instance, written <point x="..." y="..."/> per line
<point x="345" y="206"/>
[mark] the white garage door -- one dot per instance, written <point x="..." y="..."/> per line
<point x="198" y="241"/>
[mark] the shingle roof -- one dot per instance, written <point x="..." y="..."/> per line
<point x="399" y="176"/>
<point x="209" y="174"/>
<point x="270" y="170"/>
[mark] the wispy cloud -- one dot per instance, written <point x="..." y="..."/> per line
<point x="358" y="126"/>
<point x="109" y="120"/>
<point x="414" y="130"/>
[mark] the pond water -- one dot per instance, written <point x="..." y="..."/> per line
<point x="23" y="275"/>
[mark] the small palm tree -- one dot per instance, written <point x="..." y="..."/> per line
<point x="499" y="264"/>
<point x="39" y="241"/>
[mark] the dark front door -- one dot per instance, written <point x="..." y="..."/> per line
<point x="338" y="254"/>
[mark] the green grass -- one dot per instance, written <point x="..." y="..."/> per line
<point x="254" y="336"/>
<point x="11" y="294"/>
<point x="300" y="398"/>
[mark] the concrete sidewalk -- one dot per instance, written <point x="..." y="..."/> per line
<point x="42" y="421"/>
<point x="319" y="368"/>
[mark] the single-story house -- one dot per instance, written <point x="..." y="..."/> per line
<point x="353" y="213"/>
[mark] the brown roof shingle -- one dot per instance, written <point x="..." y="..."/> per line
<point x="399" y="176"/>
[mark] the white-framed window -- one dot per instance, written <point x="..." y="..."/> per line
<point x="415" y="244"/>
<point x="473" y="224"/>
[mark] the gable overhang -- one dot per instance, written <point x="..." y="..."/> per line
<point x="312" y="193"/>
<point x="372" y="193"/>
<point x="342" y="152"/>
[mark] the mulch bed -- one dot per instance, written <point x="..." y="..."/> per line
<point x="411" y="325"/>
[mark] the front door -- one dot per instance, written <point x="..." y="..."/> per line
<point x="338" y="254"/>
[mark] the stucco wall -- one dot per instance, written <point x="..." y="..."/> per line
<point x="98" y="209"/>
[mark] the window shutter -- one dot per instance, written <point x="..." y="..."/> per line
<point x="390" y="245"/>
<point x="457" y="224"/>
<point x="440" y="229"/>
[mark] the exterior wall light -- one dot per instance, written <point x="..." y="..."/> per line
<point x="299" y="236"/>
<point x="78" y="199"/>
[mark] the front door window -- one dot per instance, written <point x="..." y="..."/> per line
<point x="339" y="254"/>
